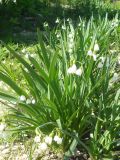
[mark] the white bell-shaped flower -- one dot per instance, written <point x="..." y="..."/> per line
<point x="72" y="69"/>
<point x="96" y="47"/>
<point x="79" y="72"/>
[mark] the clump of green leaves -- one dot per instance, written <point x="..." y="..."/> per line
<point x="71" y="87"/>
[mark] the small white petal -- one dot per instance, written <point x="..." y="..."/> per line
<point x="70" y="50"/>
<point x="70" y="45"/>
<point x="48" y="139"/>
<point x="94" y="57"/>
<point x="45" y="24"/>
<point x="28" y="101"/>
<point x="23" y="50"/>
<point x="68" y="20"/>
<point x="102" y="59"/>
<point x="56" y="138"/>
<point x="22" y="98"/>
<point x="37" y="139"/>
<point x="90" y="53"/>
<point x="100" y="65"/>
<point x="59" y="141"/>
<point x="43" y="146"/>
<point x="57" y="20"/>
<point x="27" y="56"/>
<point x="58" y="35"/>
<point x="79" y="71"/>
<point x="33" y="101"/>
<point x="63" y="27"/>
<point x="91" y="135"/>
<point x="96" y="47"/>
<point x="72" y="69"/>
<point x="71" y="35"/>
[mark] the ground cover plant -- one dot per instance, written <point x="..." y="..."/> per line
<point x="66" y="92"/>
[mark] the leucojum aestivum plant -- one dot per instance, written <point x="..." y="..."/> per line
<point x="71" y="90"/>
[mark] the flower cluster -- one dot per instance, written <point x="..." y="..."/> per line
<point x="115" y="23"/>
<point x="70" y="42"/>
<point x="57" y="20"/>
<point x="45" y="24"/>
<point x="28" y="101"/>
<point x="46" y="141"/>
<point x="73" y="70"/>
<point x="27" y="54"/>
<point x="93" y="53"/>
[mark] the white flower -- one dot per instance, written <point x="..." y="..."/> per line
<point x="102" y="59"/>
<point x="70" y="45"/>
<point x="37" y="139"/>
<point x="27" y="56"/>
<point x="100" y="65"/>
<point x="28" y="101"/>
<point x="57" y="139"/>
<point x="23" y="50"/>
<point x="68" y="20"/>
<point x="94" y="57"/>
<point x="79" y="71"/>
<point x="33" y="101"/>
<point x="48" y="139"/>
<point x="58" y="35"/>
<point x="63" y="27"/>
<point x="22" y="98"/>
<point x="91" y="135"/>
<point x="57" y="20"/>
<point x="72" y="69"/>
<point x="71" y="41"/>
<point x="96" y="47"/>
<point x="14" y="1"/>
<point x="43" y="146"/>
<point x="32" y="55"/>
<point x="2" y="127"/>
<point x="70" y="50"/>
<point x="70" y="35"/>
<point x="45" y="24"/>
<point x="90" y="53"/>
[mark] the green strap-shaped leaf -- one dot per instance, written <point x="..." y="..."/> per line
<point x="43" y="49"/>
<point x="39" y="68"/>
<point x="7" y="97"/>
<point x="37" y="79"/>
<point x="12" y="84"/>
<point x="31" y="83"/>
<point x="52" y="67"/>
